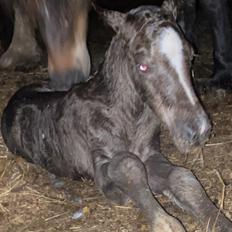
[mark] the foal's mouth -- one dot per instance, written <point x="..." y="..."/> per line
<point x="185" y="146"/>
<point x="188" y="142"/>
<point x="189" y="130"/>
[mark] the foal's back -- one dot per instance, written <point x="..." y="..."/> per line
<point x="41" y="126"/>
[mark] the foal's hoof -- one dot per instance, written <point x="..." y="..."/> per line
<point x="167" y="224"/>
<point x="65" y="80"/>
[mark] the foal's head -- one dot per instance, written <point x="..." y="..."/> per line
<point x="159" y="60"/>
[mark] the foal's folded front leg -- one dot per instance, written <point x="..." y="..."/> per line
<point x="182" y="187"/>
<point x="124" y="176"/>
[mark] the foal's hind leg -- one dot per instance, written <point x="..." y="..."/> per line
<point x="125" y="176"/>
<point x="182" y="187"/>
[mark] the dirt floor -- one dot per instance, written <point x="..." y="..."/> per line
<point x="32" y="200"/>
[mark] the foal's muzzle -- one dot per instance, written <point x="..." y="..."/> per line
<point x="197" y="132"/>
<point x="192" y="133"/>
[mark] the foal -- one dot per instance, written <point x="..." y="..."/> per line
<point x="108" y="128"/>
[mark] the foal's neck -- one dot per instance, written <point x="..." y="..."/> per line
<point x="116" y="73"/>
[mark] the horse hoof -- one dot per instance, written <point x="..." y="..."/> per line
<point x="12" y="60"/>
<point x="65" y="80"/>
<point x="220" y="80"/>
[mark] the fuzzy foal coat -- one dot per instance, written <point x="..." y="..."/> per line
<point x="108" y="128"/>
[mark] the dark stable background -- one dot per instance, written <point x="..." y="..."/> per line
<point x="7" y="18"/>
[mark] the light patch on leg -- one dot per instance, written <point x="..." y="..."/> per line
<point x="46" y="11"/>
<point x="172" y="47"/>
<point x="166" y="223"/>
<point x="82" y="58"/>
<point x="173" y="198"/>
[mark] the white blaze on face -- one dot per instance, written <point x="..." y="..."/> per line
<point x="172" y="47"/>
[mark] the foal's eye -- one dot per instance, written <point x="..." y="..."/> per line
<point x="143" y="67"/>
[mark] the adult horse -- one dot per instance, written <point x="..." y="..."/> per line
<point x="108" y="128"/>
<point x="63" y="26"/>
<point x="217" y="13"/>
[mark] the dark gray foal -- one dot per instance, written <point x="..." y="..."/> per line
<point x="108" y="128"/>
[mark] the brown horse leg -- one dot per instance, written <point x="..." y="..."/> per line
<point x="64" y="27"/>
<point x="182" y="187"/>
<point x="23" y="50"/>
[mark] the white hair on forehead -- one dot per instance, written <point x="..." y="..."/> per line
<point x="171" y="45"/>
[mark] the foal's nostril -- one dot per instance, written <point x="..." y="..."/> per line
<point x="197" y="133"/>
<point x="191" y="134"/>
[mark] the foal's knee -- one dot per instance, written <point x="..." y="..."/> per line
<point x="183" y="178"/>
<point x="184" y="189"/>
<point x="127" y="168"/>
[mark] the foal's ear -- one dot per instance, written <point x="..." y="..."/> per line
<point x="114" y="19"/>
<point x="169" y="7"/>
